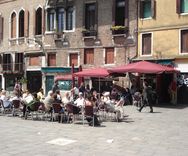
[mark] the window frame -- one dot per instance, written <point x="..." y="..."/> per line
<point x="48" y="21"/>
<point x="182" y="13"/>
<point x="36" y="21"/>
<point x="180" y="41"/>
<point x="153" y="10"/>
<point x="85" y="56"/>
<point x="141" y="47"/>
<point x="11" y="25"/>
<point x="105" y="50"/>
<point x="21" y="26"/>
<point x="48" y="61"/>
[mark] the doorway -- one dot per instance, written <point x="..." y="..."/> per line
<point x="34" y="81"/>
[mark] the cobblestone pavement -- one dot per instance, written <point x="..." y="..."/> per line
<point x="163" y="133"/>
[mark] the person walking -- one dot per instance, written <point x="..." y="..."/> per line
<point x="147" y="97"/>
<point x="55" y="87"/>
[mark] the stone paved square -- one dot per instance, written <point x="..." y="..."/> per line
<point x="162" y="133"/>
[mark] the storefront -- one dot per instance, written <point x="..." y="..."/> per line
<point x="49" y="74"/>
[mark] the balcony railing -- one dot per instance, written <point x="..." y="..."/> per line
<point x="88" y="33"/>
<point x="12" y="67"/>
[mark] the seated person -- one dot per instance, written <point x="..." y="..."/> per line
<point x="112" y="106"/>
<point x="40" y="95"/>
<point x="66" y="99"/>
<point x="6" y="102"/>
<point x="80" y="102"/>
<point x="92" y="119"/>
<point x="58" y="95"/>
<point x="48" y="101"/>
<point x="56" y="99"/>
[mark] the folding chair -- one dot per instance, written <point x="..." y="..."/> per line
<point x="16" y="106"/>
<point x="33" y="110"/>
<point x="57" y="110"/>
<point x="5" y="109"/>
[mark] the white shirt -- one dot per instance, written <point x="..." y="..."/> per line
<point x="80" y="102"/>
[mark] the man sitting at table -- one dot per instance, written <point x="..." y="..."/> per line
<point x="80" y="103"/>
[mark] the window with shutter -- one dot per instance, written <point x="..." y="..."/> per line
<point x="21" y="24"/>
<point x="1" y="28"/>
<point x="109" y="55"/>
<point x="90" y="16"/>
<point x="38" y="21"/>
<point x="73" y="59"/>
<point x="120" y="13"/>
<point x="51" y="59"/>
<point x="13" y="25"/>
<point x="34" y="61"/>
<point x="146" y="44"/>
<point x="89" y="56"/>
<point x="51" y="20"/>
<point x="19" y="62"/>
<point x="184" y="41"/>
<point x="60" y="20"/>
<point x="69" y="18"/>
<point x="147" y="9"/>
<point x="7" y="62"/>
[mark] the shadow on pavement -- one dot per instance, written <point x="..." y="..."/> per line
<point x="172" y="106"/>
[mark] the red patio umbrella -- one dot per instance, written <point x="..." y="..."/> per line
<point x="95" y="72"/>
<point x="142" y="67"/>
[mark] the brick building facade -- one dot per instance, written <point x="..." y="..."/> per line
<point x="43" y="38"/>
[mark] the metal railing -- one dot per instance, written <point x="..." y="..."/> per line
<point x="12" y="67"/>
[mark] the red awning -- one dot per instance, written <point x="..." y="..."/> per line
<point x="96" y="72"/>
<point x="142" y="67"/>
<point x="63" y="77"/>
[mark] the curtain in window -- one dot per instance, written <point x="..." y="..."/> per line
<point x="184" y="6"/>
<point x="60" y="20"/>
<point x="69" y="18"/>
<point x="1" y="28"/>
<point x="51" y="20"/>
<point x="147" y="9"/>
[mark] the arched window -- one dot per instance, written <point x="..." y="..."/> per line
<point x="13" y="25"/>
<point x="38" y="24"/>
<point x="21" y="23"/>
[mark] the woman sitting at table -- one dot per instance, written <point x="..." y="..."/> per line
<point x="92" y="118"/>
